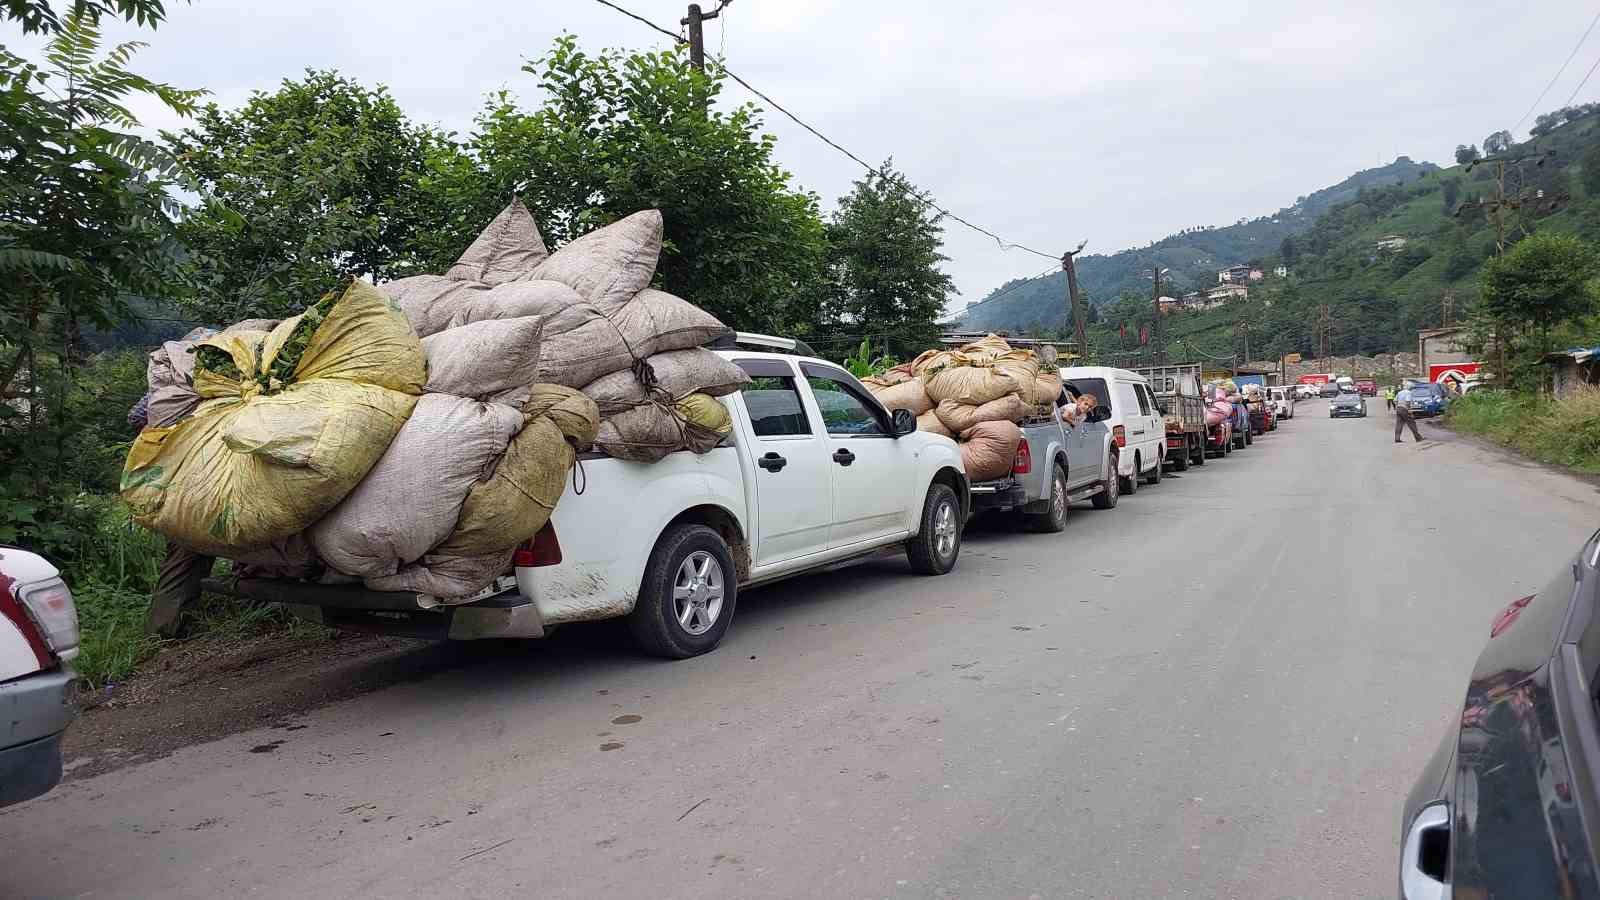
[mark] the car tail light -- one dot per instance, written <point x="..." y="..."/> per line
<point x="542" y="550"/>
<point x="1023" y="464"/>
<point x="50" y="606"/>
<point x="1120" y="435"/>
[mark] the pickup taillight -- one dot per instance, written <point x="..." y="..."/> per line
<point x="1119" y="435"/>
<point x="1023" y="464"/>
<point x="543" y="549"/>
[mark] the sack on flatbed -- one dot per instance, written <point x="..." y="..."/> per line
<point x="290" y="424"/>
<point x="958" y="417"/>
<point x="650" y="433"/>
<point x="490" y="360"/>
<point x="909" y="394"/>
<point x="929" y="422"/>
<point x="677" y="373"/>
<point x="988" y="449"/>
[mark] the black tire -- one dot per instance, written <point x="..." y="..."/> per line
<point x="1130" y="484"/>
<point x="938" y="542"/>
<point x="1154" y="477"/>
<point x="1054" y="518"/>
<point x="1107" y="499"/>
<point x="1181" y="462"/>
<point x="1200" y="457"/>
<point x="1249" y="436"/>
<point x="656" y="623"/>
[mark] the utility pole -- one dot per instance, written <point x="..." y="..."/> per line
<point x="1448" y="302"/>
<point x="1158" y="348"/>
<point x="1075" y="303"/>
<point x="697" y="37"/>
<point x="1501" y="203"/>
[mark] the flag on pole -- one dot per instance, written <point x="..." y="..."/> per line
<point x="1122" y="330"/>
<point x="1144" y="335"/>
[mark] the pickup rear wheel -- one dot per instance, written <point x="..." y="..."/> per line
<point x="1054" y="518"/>
<point x="938" y="542"/>
<point x="688" y="594"/>
<point x="1155" y="473"/>
<point x="1107" y="498"/>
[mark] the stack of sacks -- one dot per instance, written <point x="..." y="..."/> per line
<point x="976" y="394"/>
<point x="289" y="421"/>
<point x="476" y="470"/>
<point x="1218" y="409"/>
<point x="605" y="330"/>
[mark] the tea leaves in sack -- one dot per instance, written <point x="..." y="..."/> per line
<point x="448" y="578"/>
<point x="496" y="359"/>
<point x="959" y="417"/>
<point x="656" y="321"/>
<point x="610" y="265"/>
<point x="1046" y="389"/>
<point x="411" y="500"/>
<point x="509" y="248"/>
<point x="517" y="499"/>
<point x="292" y="421"/>
<point x="929" y="422"/>
<point x="650" y="433"/>
<point x="971" y="384"/>
<point x="676" y="373"/>
<point x="988" y="449"/>
<point x="1021" y="366"/>
<point x="905" y="395"/>
<point x="987" y="347"/>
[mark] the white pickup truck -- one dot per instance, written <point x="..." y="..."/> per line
<point x="815" y="473"/>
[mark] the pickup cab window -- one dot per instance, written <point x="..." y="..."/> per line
<point x="774" y="406"/>
<point x="842" y="411"/>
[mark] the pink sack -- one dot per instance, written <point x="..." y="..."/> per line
<point x="988" y="449"/>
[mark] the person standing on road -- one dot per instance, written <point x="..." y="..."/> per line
<point x="178" y="580"/>
<point x="1403" y="418"/>
<point x="1388" y="396"/>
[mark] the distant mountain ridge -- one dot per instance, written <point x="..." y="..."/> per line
<point x="1193" y="256"/>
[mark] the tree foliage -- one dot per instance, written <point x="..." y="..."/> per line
<point x="1546" y="279"/>
<point x="884" y="257"/>
<point x="41" y="16"/>
<point x="1466" y="153"/>
<point x="1497" y="142"/>
<point x="322" y="179"/>
<point x="620" y="132"/>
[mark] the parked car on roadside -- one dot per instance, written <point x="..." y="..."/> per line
<point x="1506" y="805"/>
<point x="1055" y="466"/>
<point x="1135" y="420"/>
<point x="1426" y="399"/>
<point x="1367" y="388"/>
<point x="1283" y="400"/>
<point x="1328" y="390"/>
<point x="1347" y="406"/>
<point x="38" y="640"/>
<point x="1305" y="391"/>
<point x="816" y="472"/>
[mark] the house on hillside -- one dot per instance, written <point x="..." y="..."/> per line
<point x="1224" y="293"/>
<point x="1233" y="275"/>
<point x="1390" y="243"/>
<point x="1169" y="304"/>
<point x="1281" y="271"/>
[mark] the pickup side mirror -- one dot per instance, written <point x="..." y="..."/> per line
<point x="903" y="422"/>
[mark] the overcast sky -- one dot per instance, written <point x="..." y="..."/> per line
<point x="1047" y="122"/>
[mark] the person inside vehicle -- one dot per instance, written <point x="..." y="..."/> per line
<point x="1079" y="410"/>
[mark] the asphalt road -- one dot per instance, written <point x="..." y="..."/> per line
<point x="1223" y="688"/>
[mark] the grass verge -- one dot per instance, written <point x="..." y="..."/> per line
<point x="1564" y="432"/>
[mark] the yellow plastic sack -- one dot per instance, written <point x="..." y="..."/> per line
<point x="707" y="412"/>
<point x="293" y="419"/>
<point x="515" y="502"/>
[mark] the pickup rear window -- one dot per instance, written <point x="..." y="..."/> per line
<point x="774" y="406"/>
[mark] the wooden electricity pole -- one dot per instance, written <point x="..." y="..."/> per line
<point x="1075" y="304"/>
<point x="1324" y="330"/>
<point x="1158" y="348"/>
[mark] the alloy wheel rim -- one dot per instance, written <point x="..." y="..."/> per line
<point x="697" y="592"/>
<point x="944" y="530"/>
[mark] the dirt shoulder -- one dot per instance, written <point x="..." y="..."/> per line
<point x="207" y="688"/>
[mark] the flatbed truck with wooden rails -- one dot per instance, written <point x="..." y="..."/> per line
<point x="1177" y="391"/>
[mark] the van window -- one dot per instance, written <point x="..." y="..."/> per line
<point x="1130" y="401"/>
<point x="1095" y="386"/>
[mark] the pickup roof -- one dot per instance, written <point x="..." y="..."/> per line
<point x="816" y="472"/>
<point x="1055" y="467"/>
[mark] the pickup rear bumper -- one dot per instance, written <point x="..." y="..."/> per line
<point x="1004" y="494"/>
<point x="503" y="613"/>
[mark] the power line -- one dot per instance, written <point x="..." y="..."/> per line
<point x="1553" y="80"/>
<point x="1585" y="81"/>
<point x="871" y="169"/>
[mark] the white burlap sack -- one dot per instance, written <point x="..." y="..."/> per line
<point x="510" y="248"/>
<point x="929" y="422"/>
<point x="678" y="373"/>
<point x="496" y="359"/>
<point x="610" y="265"/>
<point x="908" y="394"/>
<point x="446" y="578"/>
<point x="667" y="321"/>
<point x="959" y="417"/>
<point x="411" y="499"/>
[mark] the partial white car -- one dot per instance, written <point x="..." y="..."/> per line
<point x="38" y="638"/>
<point x="1283" y="400"/>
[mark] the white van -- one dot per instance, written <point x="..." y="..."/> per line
<point x="1137" y="426"/>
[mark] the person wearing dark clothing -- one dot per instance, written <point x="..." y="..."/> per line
<point x="1403" y="418"/>
<point x="178" y="579"/>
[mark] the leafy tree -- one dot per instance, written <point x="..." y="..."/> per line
<point x="40" y="16"/>
<point x="884" y="259"/>
<point x="1590" y="173"/>
<point x="1498" y="142"/>
<point x="85" y="224"/>
<point x="623" y="132"/>
<point x="1545" y="280"/>
<point x="1466" y="153"/>
<point x="321" y="179"/>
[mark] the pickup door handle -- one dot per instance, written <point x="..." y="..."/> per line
<point x="772" y="462"/>
<point x="843" y="457"/>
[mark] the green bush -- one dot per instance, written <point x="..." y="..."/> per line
<point x="1565" y="432"/>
